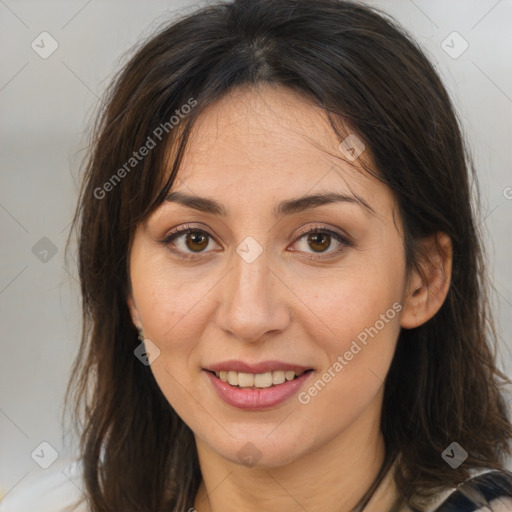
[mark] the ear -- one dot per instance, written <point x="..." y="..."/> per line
<point x="427" y="289"/>
<point x="134" y="313"/>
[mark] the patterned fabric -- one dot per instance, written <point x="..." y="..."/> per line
<point x="490" y="491"/>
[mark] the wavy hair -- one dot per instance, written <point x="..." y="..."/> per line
<point x="366" y="72"/>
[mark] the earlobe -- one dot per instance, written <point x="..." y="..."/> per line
<point x="134" y="313"/>
<point x="428" y="287"/>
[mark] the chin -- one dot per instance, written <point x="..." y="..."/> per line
<point x="259" y="451"/>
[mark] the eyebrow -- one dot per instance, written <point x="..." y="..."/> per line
<point x="286" y="207"/>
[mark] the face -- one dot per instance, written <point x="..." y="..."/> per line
<point x="248" y="288"/>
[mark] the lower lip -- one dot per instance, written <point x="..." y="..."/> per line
<point x="255" y="399"/>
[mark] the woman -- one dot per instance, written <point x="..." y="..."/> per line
<point x="283" y="285"/>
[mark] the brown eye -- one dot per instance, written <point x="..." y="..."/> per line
<point x="196" y="240"/>
<point x="187" y="242"/>
<point x="319" y="242"/>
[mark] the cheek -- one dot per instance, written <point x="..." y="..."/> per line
<point x="169" y="303"/>
<point x="171" y="310"/>
<point x="357" y="357"/>
<point x="358" y="323"/>
<point x="354" y="298"/>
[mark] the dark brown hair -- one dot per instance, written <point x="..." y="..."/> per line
<point x="365" y="72"/>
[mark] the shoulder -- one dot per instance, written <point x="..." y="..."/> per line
<point x="56" y="489"/>
<point x="486" y="490"/>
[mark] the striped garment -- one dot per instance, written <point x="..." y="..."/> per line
<point x="487" y="490"/>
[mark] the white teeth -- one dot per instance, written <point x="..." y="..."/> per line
<point x="278" y="377"/>
<point x="233" y="378"/>
<point x="263" y="380"/>
<point x="246" y="380"/>
<point x="259" y="380"/>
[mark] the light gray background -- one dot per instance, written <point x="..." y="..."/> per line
<point x="45" y="107"/>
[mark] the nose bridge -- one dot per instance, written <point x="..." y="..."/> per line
<point x="251" y="304"/>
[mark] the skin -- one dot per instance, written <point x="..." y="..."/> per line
<point x="251" y="150"/>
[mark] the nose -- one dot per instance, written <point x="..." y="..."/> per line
<point x="254" y="303"/>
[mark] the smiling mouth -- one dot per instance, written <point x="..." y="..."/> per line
<point x="265" y="380"/>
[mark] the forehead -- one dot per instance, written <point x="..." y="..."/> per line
<point x="267" y="141"/>
<point x="264" y="127"/>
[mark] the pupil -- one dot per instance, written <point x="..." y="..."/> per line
<point x="195" y="238"/>
<point x="320" y="236"/>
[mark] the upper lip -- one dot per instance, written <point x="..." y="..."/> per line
<point x="262" y="367"/>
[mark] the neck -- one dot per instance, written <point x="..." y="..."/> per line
<point x="340" y="472"/>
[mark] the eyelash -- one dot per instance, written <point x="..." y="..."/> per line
<point x="190" y="229"/>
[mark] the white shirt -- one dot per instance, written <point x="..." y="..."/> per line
<point x="54" y="489"/>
